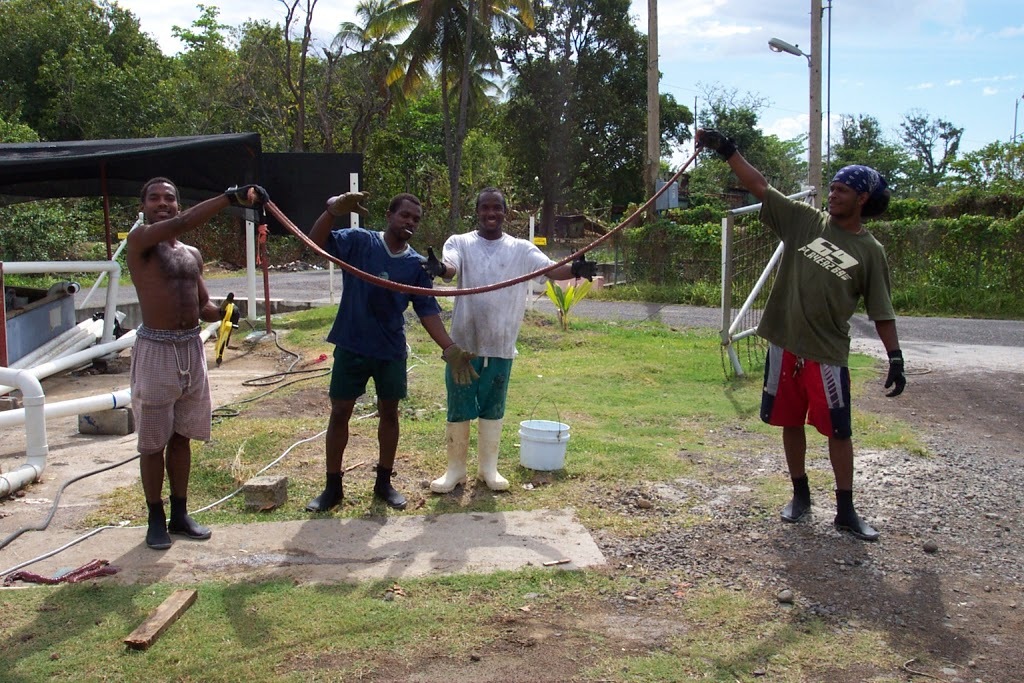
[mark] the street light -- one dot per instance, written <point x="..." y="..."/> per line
<point x="814" y="66"/>
<point x="776" y="45"/>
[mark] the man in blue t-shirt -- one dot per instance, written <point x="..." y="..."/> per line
<point x="369" y="332"/>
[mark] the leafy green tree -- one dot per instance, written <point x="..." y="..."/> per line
<point x="79" y="69"/>
<point x="737" y="114"/>
<point x="276" y="78"/>
<point x="998" y="167"/>
<point x="571" y="124"/>
<point x="612" y="127"/>
<point x="259" y="95"/>
<point x="48" y="230"/>
<point x="454" y="35"/>
<point x="675" y="122"/>
<point x="15" y="131"/>
<point x="484" y="164"/>
<point x="198" y="97"/>
<point x="368" y="96"/>
<point x="407" y="154"/>
<point x="731" y="112"/>
<point x="295" y="66"/>
<point x="861" y="142"/>
<point x="931" y="146"/>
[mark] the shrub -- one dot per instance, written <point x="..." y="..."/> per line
<point x="42" y="231"/>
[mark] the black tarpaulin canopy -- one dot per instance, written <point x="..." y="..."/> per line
<point x="201" y="166"/>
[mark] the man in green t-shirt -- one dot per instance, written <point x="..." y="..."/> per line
<point x="830" y="262"/>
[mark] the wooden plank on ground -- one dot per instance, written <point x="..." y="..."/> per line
<point x="162" y="617"/>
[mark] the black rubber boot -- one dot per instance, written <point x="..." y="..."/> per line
<point x="183" y="525"/>
<point x="157" y="537"/>
<point x="332" y="495"/>
<point x="848" y="520"/>
<point x="800" y="505"/>
<point x="383" y="489"/>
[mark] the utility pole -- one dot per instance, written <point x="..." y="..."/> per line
<point x="653" y="161"/>
<point x="814" y="171"/>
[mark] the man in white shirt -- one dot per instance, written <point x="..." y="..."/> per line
<point x="487" y="325"/>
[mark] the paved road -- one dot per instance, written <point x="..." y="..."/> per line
<point x="313" y="288"/>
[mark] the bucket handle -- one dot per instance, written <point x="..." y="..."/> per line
<point x="557" y="413"/>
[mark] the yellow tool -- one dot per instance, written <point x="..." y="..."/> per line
<point x="228" y="323"/>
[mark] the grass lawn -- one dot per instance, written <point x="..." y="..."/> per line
<point x="638" y="398"/>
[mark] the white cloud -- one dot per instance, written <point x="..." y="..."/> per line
<point x="988" y="90"/>
<point x="788" y="127"/>
<point x="993" y="79"/>
<point x="954" y="82"/>
<point x="922" y="86"/>
<point x="1011" y="32"/>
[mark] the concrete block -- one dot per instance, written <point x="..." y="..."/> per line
<point x="265" y="493"/>
<point x="118" y="422"/>
<point x="9" y="403"/>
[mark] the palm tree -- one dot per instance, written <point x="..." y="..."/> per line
<point x="454" y="35"/>
<point x="372" y="54"/>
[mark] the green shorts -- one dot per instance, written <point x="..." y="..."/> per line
<point x="485" y="397"/>
<point x="352" y="371"/>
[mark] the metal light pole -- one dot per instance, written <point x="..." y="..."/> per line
<point x="1016" y="103"/>
<point x="814" y="121"/>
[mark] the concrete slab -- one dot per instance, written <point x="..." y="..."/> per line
<point x="325" y="551"/>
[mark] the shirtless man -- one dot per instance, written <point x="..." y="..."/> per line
<point x="170" y="389"/>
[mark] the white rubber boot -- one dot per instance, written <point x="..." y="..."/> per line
<point x="457" y="436"/>
<point x="488" y="437"/>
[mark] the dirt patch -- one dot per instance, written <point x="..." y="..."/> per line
<point x="947" y="577"/>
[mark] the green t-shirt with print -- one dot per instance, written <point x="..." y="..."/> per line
<point x="824" y="273"/>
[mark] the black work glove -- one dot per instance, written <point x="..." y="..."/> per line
<point x="248" y="196"/>
<point x="581" y="267"/>
<point x="433" y="267"/>
<point x="235" y="314"/>
<point x="716" y="142"/>
<point x="895" y="375"/>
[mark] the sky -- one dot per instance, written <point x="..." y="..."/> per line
<point x="957" y="60"/>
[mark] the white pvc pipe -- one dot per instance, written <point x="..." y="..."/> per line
<point x="68" y="343"/>
<point x="77" y="359"/>
<point x="34" y="417"/>
<point x="30" y="358"/>
<point x="250" y="268"/>
<point x="36" y="410"/>
<point x="529" y="289"/>
<point x="89" y="335"/>
<point x="208" y="331"/>
<point x="74" y="406"/>
<point x="330" y="266"/>
<point x="71" y="349"/>
<point x="117" y="253"/>
<point x="65" y="287"/>
<point x="111" y="267"/>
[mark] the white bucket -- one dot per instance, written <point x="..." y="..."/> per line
<point x="542" y="444"/>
